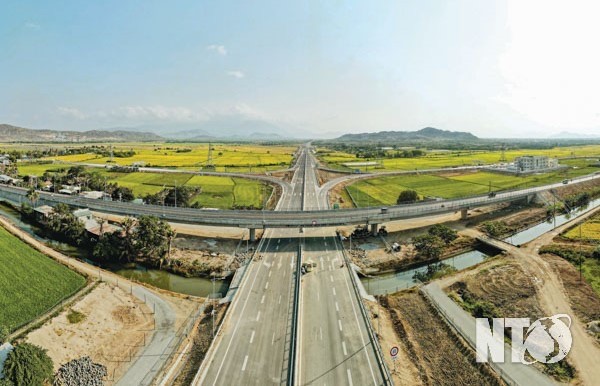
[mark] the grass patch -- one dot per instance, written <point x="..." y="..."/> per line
<point x="75" y="317"/>
<point x="30" y="282"/>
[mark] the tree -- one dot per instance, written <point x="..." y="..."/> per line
<point x="119" y="245"/>
<point x="28" y="365"/>
<point x="596" y="253"/>
<point x="407" y="197"/>
<point x="443" y="232"/>
<point x="153" y="239"/>
<point x="33" y="196"/>
<point x="122" y="193"/>
<point x="429" y="246"/>
<point x="65" y="225"/>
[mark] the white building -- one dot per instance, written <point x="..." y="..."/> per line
<point x="530" y="163"/>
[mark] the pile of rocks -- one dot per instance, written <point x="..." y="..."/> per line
<point x="80" y="372"/>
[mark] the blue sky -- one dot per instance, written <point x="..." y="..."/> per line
<point x="504" y="68"/>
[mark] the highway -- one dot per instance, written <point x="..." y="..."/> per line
<point x="252" y="347"/>
<point x="334" y="345"/>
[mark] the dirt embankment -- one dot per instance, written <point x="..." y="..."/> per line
<point x="202" y="339"/>
<point x="440" y="357"/>
<point x="502" y="284"/>
<point x="326" y="176"/>
<point x="113" y="328"/>
<point x="284" y="175"/>
<point x="372" y="255"/>
<point x="584" y="300"/>
<point x="201" y="256"/>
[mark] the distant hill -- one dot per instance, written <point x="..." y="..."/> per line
<point x="570" y="135"/>
<point x="10" y="133"/>
<point x="428" y="133"/>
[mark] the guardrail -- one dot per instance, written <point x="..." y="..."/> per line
<point x="283" y="219"/>
<point x="291" y="379"/>
<point x="385" y="372"/>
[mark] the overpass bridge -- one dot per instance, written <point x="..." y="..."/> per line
<point x="294" y="218"/>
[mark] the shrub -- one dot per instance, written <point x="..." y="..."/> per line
<point x="28" y="365"/>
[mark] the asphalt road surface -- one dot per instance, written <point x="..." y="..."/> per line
<point x="254" y="342"/>
<point x="253" y="345"/>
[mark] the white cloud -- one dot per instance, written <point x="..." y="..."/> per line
<point x="71" y="112"/>
<point x="236" y="74"/>
<point x="220" y="49"/>
<point x="32" y="25"/>
<point x="551" y="66"/>
<point x="158" y="112"/>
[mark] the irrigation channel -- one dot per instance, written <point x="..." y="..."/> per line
<point x="394" y="282"/>
<point x="195" y="286"/>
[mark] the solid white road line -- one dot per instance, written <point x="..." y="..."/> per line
<point x="246" y="361"/>
<point x="252" y="336"/>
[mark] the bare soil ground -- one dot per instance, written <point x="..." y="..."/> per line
<point x="202" y="340"/>
<point x="584" y="301"/>
<point x="503" y="284"/>
<point x="285" y="176"/>
<point x="372" y="255"/>
<point x="440" y="357"/>
<point x="201" y="255"/>
<point x="326" y="176"/>
<point x="112" y="331"/>
<point x="403" y="369"/>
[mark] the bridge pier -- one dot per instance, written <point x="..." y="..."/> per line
<point x="252" y="236"/>
<point x="464" y="213"/>
<point x="374" y="229"/>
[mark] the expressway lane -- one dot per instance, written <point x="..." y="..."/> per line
<point x="252" y="347"/>
<point x="335" y="347"/>
<point x="334" y="344"/>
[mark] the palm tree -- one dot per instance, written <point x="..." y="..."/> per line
<point x="33" y="196"/>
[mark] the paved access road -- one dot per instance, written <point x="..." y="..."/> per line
<point x="519" y="373"/>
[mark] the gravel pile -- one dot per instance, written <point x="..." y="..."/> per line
<point x="80" y="372"/>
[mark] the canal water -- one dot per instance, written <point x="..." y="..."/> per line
<point x="393" y="282"/>
<point x="195" y="286"/>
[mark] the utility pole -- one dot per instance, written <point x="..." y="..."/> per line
<point x="580" y="255"/>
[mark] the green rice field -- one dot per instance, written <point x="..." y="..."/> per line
<point x="385" y="190"/>
<point x="30" y="282"/>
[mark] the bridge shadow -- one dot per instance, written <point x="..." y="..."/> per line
<point x="290" y="244"/>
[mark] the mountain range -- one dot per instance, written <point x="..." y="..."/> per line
<point x="427" y="134"/>
<point x="10" y="133"/>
